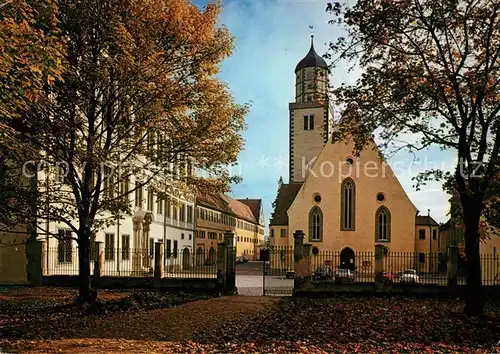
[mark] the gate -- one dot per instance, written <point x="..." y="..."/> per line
<point x="278" y="271"/>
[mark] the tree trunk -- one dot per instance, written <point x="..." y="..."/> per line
<point x="474" y="301"/>
<point x="85" y="294"/>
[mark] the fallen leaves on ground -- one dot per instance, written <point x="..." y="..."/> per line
<point x="342" y="324"/>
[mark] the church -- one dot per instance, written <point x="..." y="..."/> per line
<point x="342" y="202"/>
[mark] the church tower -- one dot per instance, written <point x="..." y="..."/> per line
<point x="311" y="118"/>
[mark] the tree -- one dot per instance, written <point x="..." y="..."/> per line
<point x="280" y="183"/>
<point x="430" y="69"/>
<point x="489" y="225"/>
<point x="32" y="58"/>
<point x="139" y="102"/>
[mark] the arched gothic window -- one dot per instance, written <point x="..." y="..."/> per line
<point x="348" y="205"/>
<point x="383" y="225"/>
<point x="315" y="224"/>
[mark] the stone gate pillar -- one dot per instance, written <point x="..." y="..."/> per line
<point x="221" y="266"/>
<point x="302" y="258"/>
<point x="230" y="262"/>
<point x="379" y="268"/>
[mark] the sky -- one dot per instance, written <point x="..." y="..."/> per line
<point x="271" y="37"/>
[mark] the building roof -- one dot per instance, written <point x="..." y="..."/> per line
<point x="445" y="226"/>
<point x="226" y="204"/>
<point x="285" y="198"/>
<point x="213" y="201"/>
<point x="254" y="205"/>
<point x="425" y="220"/>
<point x="311" y="60"/>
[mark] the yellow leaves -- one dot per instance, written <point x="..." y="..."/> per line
<point x="29" y="57"/>
<point x="36" y="68"/>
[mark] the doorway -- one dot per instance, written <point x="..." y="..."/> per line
<point x="347" y="259"/>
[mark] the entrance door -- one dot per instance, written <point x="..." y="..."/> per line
<point x="347" y="259"/>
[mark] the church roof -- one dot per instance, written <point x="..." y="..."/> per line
<point x="425" y="220"/>
<point x="311" y="60"/>
<point x="286" y="196"/>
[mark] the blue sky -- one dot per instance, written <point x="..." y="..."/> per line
<point x="271" y="37"/>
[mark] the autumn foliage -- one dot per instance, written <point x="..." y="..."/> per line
<point x="138" y="103"/>
<point x="430" y="71"/>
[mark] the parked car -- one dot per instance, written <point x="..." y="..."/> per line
<point x="323" y="274"/>
<point x="245" y="259"/>
<point x="239" y="259"/>
<point x="409" y="276"/>
<point x="344" y="275"/>
<point x="388" y="277"/>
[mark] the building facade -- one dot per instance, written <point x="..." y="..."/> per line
<point x="219" y="213"/>
<point x="129" y="241"/>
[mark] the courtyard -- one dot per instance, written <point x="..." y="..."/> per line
<point x="45" y="320"/>
<point x="250" y="281"/>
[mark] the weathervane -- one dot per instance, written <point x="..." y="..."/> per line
<point x="311" y="27"/>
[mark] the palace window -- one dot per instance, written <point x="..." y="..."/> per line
<point x="434" y="234"/>
<point x="383" y="225"/>
<point x="159" y="205"/>
<point x="109" y="247"/>
<point x="315" y="224"/>
<point x="421" y="234"/>
<point x="348" y="199"/>
<point x="138" y="195"/>
<point x="64" y="246"/>
<point x="169" y="248"/>
<point x="150" y="200"/>
<point x="283" y="232"/>
<point x="125" y="247"/>
<point x="168" y="210"/>
<point x="182" y="212"/>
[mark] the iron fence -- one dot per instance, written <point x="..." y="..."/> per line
<point x="490" y="267"/>
<point x="415" y="267"/>
<point x="185" y="264"/>
<point x="62" y="261"/>
<point x="335" y="266"/>
<point x="135" y="262"/>
<point x="128" y="262"/>
<point x="397" y="267"/>
<point x="281" y="261"/>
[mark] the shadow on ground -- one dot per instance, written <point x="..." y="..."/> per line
<point x="239" y="323"/>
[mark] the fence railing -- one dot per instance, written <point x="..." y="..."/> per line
<point x="334" y="266"/>
<point x="130" y="262"/>
<point x="397" y="267"/>
<point x="186" y="264"/>
<point x="63" y="261"/>
<point x="281" y="261"/>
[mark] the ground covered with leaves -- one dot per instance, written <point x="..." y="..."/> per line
<point x="161" y="323"/>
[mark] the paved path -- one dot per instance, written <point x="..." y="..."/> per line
<point x="249" y="281"/>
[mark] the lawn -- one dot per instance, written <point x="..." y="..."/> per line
<point x="160" y="323"/>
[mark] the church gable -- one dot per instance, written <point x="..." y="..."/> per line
<point x="361" y="201"/>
